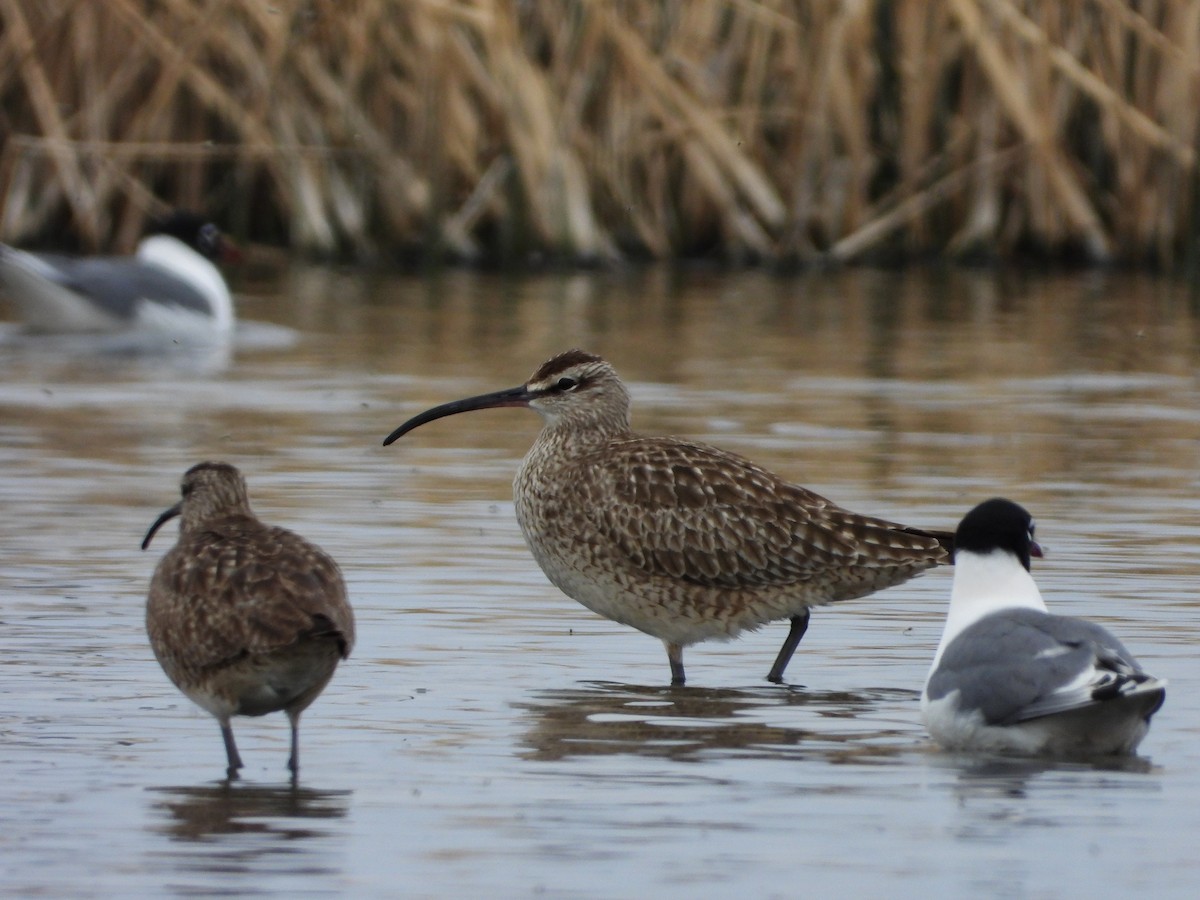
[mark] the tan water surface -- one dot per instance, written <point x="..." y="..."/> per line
<point x="490" y="737"/>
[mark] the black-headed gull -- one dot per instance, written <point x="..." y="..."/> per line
<point x="1009" y="677"/>
<point x="170" y="286"/>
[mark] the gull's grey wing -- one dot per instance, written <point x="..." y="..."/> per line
<point x="118" y="285"/>
<point x="1016" y="665"/>
<point x="115" y="285"/>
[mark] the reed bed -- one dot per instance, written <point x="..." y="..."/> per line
<point x="600" y="130"/>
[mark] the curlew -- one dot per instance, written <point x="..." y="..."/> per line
<point x="245" y="618"/>
<point x="677" y="539"/>
<point x="1009" y="677"/>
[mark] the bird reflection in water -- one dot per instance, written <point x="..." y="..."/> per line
<point x="987" y="777"/>
<point x="609" y="718"/>
<point x="203" y="812"/>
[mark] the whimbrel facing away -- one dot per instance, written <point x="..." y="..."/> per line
<point x="245" y="618"/>
<point x="1009" y="677"/>
<point x="677" y="539"/>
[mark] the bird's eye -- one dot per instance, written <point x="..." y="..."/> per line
<point x="185" y="488"/>
<point x="566" y="383"/>
<point x="210" y="236"/>
<point x="1032" y="529"/>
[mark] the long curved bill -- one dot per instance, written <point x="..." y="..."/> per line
<point x="160" y="521"/>
<point x="518" y="396"/>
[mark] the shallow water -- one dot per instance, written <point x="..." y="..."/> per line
<point x="491" y="737"/>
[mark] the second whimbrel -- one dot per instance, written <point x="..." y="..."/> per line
<point x="245" y="618"/>
<point x="681" y="540"/>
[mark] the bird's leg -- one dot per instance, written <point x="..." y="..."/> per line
<point x="231" y="753"/>
<point x="795" y="632"/>
<point x="294" y="759"/>
<point x="675" y="658"/>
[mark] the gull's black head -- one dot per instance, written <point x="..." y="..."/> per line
<point x="998" y="524"/>
<point x="197" y="232"/>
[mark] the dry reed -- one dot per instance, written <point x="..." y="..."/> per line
<point x="748" y="130"/>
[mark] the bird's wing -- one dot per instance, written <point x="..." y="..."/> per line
<point x="693" y="512"/>
<point x="1109" y="670"/>
<point x="1017" y="665"/>
<point x="259" y="595"/>
<point x="118" y="285"/>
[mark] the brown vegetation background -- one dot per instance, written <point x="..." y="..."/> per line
<point x="597" y="130"/>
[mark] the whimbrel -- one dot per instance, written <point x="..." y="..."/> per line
<point x="245" y="618"/>
<point x="1008" y="676"/>
<point x="680" y="540"/>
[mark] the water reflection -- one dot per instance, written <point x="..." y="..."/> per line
<point x="124" y="354"/>
<point x="989" y="777"/>
<point x="911" y="395"/>
<point x="201" y="812"/>
<point x="118" y="353"/>
<point x="693" y="723"/>
<point x="222" y="833"/>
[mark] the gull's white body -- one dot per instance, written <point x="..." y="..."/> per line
<point x="1009" y="677"/>
<point x="167" y="288"/>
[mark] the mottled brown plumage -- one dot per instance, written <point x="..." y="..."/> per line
<point x="245" y="618"/>
<point x="680" y="540"/>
